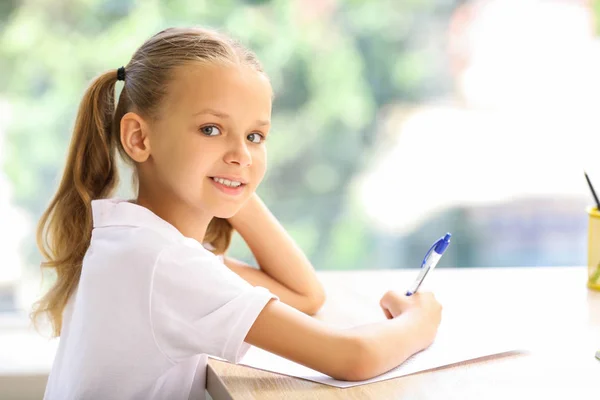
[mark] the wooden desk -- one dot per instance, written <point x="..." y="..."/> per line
<point x="565" y="314"/>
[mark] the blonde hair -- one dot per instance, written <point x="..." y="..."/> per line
<point x="64" y="230"/>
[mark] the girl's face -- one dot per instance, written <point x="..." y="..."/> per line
<point x="208" y="142"/>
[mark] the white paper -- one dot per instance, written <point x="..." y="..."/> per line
<point x="454" y="343"/>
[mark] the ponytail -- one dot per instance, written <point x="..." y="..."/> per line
<point x="64" y="230"/>
<point x="218" y="234"/>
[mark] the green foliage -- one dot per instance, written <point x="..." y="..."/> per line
<point x="596" y="12"/>
<point x="331" y="72"/>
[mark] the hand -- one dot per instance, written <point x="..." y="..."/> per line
<point x="422" y="306"/>
<point x="247" y="211"/>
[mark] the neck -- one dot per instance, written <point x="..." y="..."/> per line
<point x="191" y="222"/>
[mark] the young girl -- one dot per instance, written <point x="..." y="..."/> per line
<point x="139" y="300"/>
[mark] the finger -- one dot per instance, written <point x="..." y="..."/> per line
<point x="387" y="313"/>
<point x="384" y="299"/>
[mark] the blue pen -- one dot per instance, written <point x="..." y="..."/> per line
<point x="430" y="261"/>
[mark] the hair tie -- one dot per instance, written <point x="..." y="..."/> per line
<point x="121" y="74"/>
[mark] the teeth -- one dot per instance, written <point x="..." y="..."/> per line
<point x="227" y="182"/>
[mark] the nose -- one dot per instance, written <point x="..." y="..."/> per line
<point x="238" y="153"/>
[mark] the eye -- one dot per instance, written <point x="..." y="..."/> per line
<point x="210" y="130"/>
<point x="256" y="138"/>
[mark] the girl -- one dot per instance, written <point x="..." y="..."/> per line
<point x="139" y="301"/>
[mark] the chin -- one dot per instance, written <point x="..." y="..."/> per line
<point x="226" y="212"/>
<point x="224" y="215"/>
<point x="226" y="206"/>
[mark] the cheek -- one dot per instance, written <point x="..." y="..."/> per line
<point x="260" y="164"/>
<point x="183" y="167"/>
<point x="196" y="165"/>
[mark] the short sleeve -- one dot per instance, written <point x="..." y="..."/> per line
<point x="198" y="305"/>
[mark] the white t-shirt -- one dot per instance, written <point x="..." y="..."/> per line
<point x="150" y="305"/>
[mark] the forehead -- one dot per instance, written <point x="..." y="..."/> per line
<point x="228" y="88"/>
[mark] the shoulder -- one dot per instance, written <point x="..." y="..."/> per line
<point x="189" y="261"/>
<point x="187" y="251"/>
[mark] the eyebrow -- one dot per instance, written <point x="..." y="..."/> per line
<point x="223" y="115"/>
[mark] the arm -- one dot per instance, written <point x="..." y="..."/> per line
<point x="257" y="277"/>
<point x="284" y="269"/>
<point x="346" y="354"/>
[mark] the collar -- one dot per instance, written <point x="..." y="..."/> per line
<point x="120" y="212"/>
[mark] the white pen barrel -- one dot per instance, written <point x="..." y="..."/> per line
<point x="433" y="260"/>
<point x="430" y="264"/>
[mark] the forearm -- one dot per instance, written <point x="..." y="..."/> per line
<point x="275" y="251"/>
<point x="353" y="354"/>
<point x="257" y="277"/>
<point x="389" y="343"/>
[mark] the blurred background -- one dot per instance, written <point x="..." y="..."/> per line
<point x="394" y="122"/>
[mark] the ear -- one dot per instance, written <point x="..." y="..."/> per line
<point x="134" y="137"/>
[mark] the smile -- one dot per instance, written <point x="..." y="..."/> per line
<point x="228" y="186"/>
<point x="227" y="182"/>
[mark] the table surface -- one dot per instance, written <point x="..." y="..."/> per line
<point x="553" y="303"/>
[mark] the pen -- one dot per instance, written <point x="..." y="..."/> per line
<point x="430" y="261"/>
<point x="587" y="178"/>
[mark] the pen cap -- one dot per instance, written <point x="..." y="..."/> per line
<point x="442" y="244"/>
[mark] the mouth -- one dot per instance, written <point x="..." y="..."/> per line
<point x="229" y="186"/>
